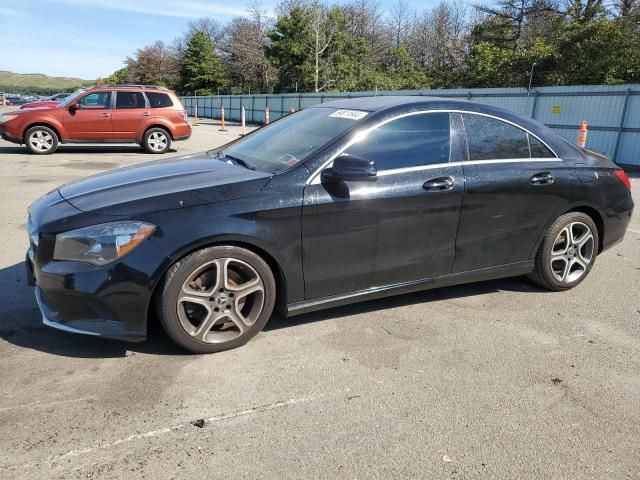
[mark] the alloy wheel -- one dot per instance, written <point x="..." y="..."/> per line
<point x="572" y="252"/>
<point x="220" y="300"/>
<point x="158" y="141"/>
<point x="41" y="141"/>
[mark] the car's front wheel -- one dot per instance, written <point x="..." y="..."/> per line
<point x="156" y="140"/>
<point x="567" y="253"/>
<point x="216" y="299"/>
<point x="41" y="140"/>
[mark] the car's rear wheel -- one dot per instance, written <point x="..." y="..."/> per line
<point x="216" y="299"/>
<point x="156" y="140"/>
<point x="41" y="140"/>
<point x="568" y="252"/>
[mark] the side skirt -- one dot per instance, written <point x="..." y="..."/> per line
<point x="490" y="273"/>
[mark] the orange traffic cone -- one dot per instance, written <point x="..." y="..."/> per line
<point x="222" y="129"/>
<point x="266" y="115"/>
<point x="581" y="141"/>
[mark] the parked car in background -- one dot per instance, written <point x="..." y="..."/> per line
<point x="338" y="203"/>
<point x="150" y="116"/>
<point x="49" y="102"/>
<point x="15" y="100"/>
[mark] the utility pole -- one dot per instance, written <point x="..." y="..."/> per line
<point x="531" y="78"/>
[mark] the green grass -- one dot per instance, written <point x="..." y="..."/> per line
<point x="37" y="83"/>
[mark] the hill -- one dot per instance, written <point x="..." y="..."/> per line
<point x="37" y="83"/>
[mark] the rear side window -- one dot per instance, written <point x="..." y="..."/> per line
<point x="409" y="141"/>
<point x="159" y="100"/>
<point x="538" y="149"/>
<point x="130" y="100"/>
<point x="492" y="139"/>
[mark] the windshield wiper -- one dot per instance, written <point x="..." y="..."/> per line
<point x="237" y="160"/>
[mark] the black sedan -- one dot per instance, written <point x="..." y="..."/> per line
<point x="342" y="202"/>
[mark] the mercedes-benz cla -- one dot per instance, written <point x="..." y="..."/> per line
<point x="343" y="202"/>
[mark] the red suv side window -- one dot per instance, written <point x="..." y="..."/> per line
<point x="130" y="100"/>
<point x="159" y="100"/>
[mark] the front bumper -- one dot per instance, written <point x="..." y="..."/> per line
<point x="110" y="301"/>
<point x="6" y="135"/>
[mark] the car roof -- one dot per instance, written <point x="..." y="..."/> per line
<point x="382" y="102"/>
<point x="389" y="105"/>
<point x="392" y="103"/>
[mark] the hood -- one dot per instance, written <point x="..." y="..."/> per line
<point x="163" y="185"/>
<point x="47" y="104"/>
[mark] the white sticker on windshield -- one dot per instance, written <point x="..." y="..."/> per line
<point x="350" y="114"/>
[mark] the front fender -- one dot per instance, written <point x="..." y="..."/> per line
<point x="45" y="120"/>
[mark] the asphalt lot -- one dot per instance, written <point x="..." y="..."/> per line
<point x="490" y="380"/>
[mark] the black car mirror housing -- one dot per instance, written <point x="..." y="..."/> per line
<point x="350" y="168"/>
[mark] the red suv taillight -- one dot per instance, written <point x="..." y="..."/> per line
<point x="183" y="114"/>
<point x="622" y="176"/>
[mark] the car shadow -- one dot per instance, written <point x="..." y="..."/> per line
<point x="83" y="149"/>
<point x="513" y="284"/>
<point x="21" y="325"/>
<point x="21" y="322"/>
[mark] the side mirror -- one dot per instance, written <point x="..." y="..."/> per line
<point x="350" y="168"/>
<point x="74" y="106"/>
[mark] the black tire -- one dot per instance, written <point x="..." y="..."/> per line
<point x="176" y="316"/>
<point x="41" y="140"/>
<point x="544" y="274"/>
<point x="156" y="140"/>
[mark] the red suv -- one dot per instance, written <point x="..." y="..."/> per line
<point x="150" y="116"/>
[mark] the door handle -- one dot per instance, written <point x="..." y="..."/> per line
<point x="440" y="184"/>
<point x="542" y="178"/>
<point x="105" y="114"/>
<point x="145" y="114"/>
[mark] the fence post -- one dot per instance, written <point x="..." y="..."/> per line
<point x="535" y="105"/>
<point x="253" y="108"/>
<point x="623" y="118"/>
<point x="299" y="102"/>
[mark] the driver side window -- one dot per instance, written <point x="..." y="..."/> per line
<point x="96" y="101"/>
<point x="415" y="140"/>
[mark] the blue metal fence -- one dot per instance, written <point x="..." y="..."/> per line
<point x="612" y="112"/>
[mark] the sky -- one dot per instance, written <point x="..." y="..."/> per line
<point x="91" y="38"/>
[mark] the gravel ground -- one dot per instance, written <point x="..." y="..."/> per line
<point x="490" y="380"/>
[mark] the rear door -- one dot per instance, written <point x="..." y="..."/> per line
<point x="131" y="111"/>
<point x="514" y="185"/>
<point x="398" y="228"/>
<point x="92" y="121"/>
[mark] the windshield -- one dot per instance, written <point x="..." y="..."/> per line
<point x="71" y="96"/>
<point x="293" y="139"/>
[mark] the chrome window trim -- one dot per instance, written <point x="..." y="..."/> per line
<point x="314" y="178"/>
<point x="419" y="168"/>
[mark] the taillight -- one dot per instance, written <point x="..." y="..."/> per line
<point x="622" y="176"/>
<point x="183" y="114"/>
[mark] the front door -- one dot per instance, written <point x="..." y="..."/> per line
<point x="514" y="186"/>
<point x="92" y="121"/>
<point x="398" y="228"/>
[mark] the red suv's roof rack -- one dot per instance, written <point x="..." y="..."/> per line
<point x="127" y="85"/>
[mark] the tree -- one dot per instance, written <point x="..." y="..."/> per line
<point x="245" y="54"/>
<point x="400" y="22"/>
<point x="119" y="77"/>
<point x="401" y="73"/>
<point x="437" y="42"/>
<point x="155" y="64"/>
<point x="205" y="25"/>
<point x="201" y="69"/>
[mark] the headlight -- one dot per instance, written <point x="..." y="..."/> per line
<point x="101" y="244"/>
<point x="6" y="117"/>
